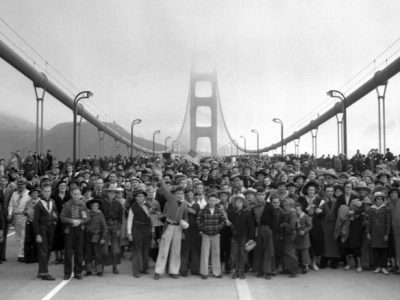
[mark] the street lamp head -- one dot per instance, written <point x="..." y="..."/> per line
<point x="254" y="131"/>
<point x="156" y="132"/>
<point x="329" y="93"/>
<point x="276" y="120"/>
<point x="89" y="94"/>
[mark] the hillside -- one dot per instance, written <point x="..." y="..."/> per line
<point x="17" y="133"/>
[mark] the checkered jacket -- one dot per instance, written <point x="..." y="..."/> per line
<point x="211" y="224"/>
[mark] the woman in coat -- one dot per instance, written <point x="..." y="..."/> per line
<point x="378" y="230"/>
<point x="311" y="205"/>
<point x="331" y="249"/>
<point x="242" y="232"/>
<point x="395" y="217"/>
<point x="60" y="197"/>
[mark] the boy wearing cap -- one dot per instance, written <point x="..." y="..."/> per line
<point x="16" y="214"/>
<point x="210" y="221"/>
<point x="95" y="238"/>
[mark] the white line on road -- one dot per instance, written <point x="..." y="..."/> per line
<point x="10" y="234"/>
<point x="54" y="291"/>
<point x="243" y="290"/>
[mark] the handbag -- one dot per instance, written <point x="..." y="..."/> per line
<point x="250" y="245"/>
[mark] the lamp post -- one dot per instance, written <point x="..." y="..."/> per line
<point x="244" y="141"/>
<point x="78" y="97"/>
<point x="134" y="122"/>
<point x="339" y="95"/>
<point x="235" y="143"/>
<point x="173" y="146"/>
<point x="154" y="140"/>
<point x="166" y="139"/>
<point x="258" y="140"/>
<point x="279" y="121"/>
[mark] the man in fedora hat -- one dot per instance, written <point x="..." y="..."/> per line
<point x="44" y="224"/>
<point x="139" y="233"/>
<point x="16" y="215"/>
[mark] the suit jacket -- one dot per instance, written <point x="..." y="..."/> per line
<point x="42" y="218"/>
<point x="5" y="200"/>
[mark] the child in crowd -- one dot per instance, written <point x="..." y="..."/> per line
<point x="303" y="227"/>
<point x="96" y="234"/>
<point x="211" y="220"/>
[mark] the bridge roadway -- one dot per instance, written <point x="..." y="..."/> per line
<point x="17" y="281"/>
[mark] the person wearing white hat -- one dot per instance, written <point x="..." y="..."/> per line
<point x="16" y="214"/>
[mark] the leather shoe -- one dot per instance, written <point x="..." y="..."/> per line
<point x="78" y="276"/>
<point x="267" y="276"/>
<point x="88" y="273"/>
<point x="136" y="275"/>
<point x="175" y="276"/>
<point x="204" y="276"/>
<point x="156" y="276"/>
<point x="47" y="277"/>
<point x="218" y="276"/>
<point x="100" y="274"/>
<point x="115" y="271"/>
<point x="67" y="277"/>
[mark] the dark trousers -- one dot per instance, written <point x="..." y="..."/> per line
<point x="93" y="252"/>
<point x="3" y="245"/>
<point x="190" y="252"/>
<point x="380" y="257"/>
<point x="289" y="256"/>
<point x="44" y="248"/>
<point x="238" y="254"/>
<point x="225" y="247"/>
<point x="264" y="251"/>
<point x="140" y="248"/>
<point x="114" y="250"/>
<point x="30" y="247"/>
<point x="73" y="243"/>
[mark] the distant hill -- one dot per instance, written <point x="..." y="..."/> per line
<point x="16" y="133"/>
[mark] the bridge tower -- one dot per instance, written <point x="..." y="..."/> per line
<point x="203" y="94"/>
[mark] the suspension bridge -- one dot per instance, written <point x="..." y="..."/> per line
<point x="204" y="122"/>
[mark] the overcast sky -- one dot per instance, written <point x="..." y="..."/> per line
<point x="274" y="59"/>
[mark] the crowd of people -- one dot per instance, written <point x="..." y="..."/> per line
<point x="247" y="214"/>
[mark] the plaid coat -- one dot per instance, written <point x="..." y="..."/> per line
<point x="211" y="224"/>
